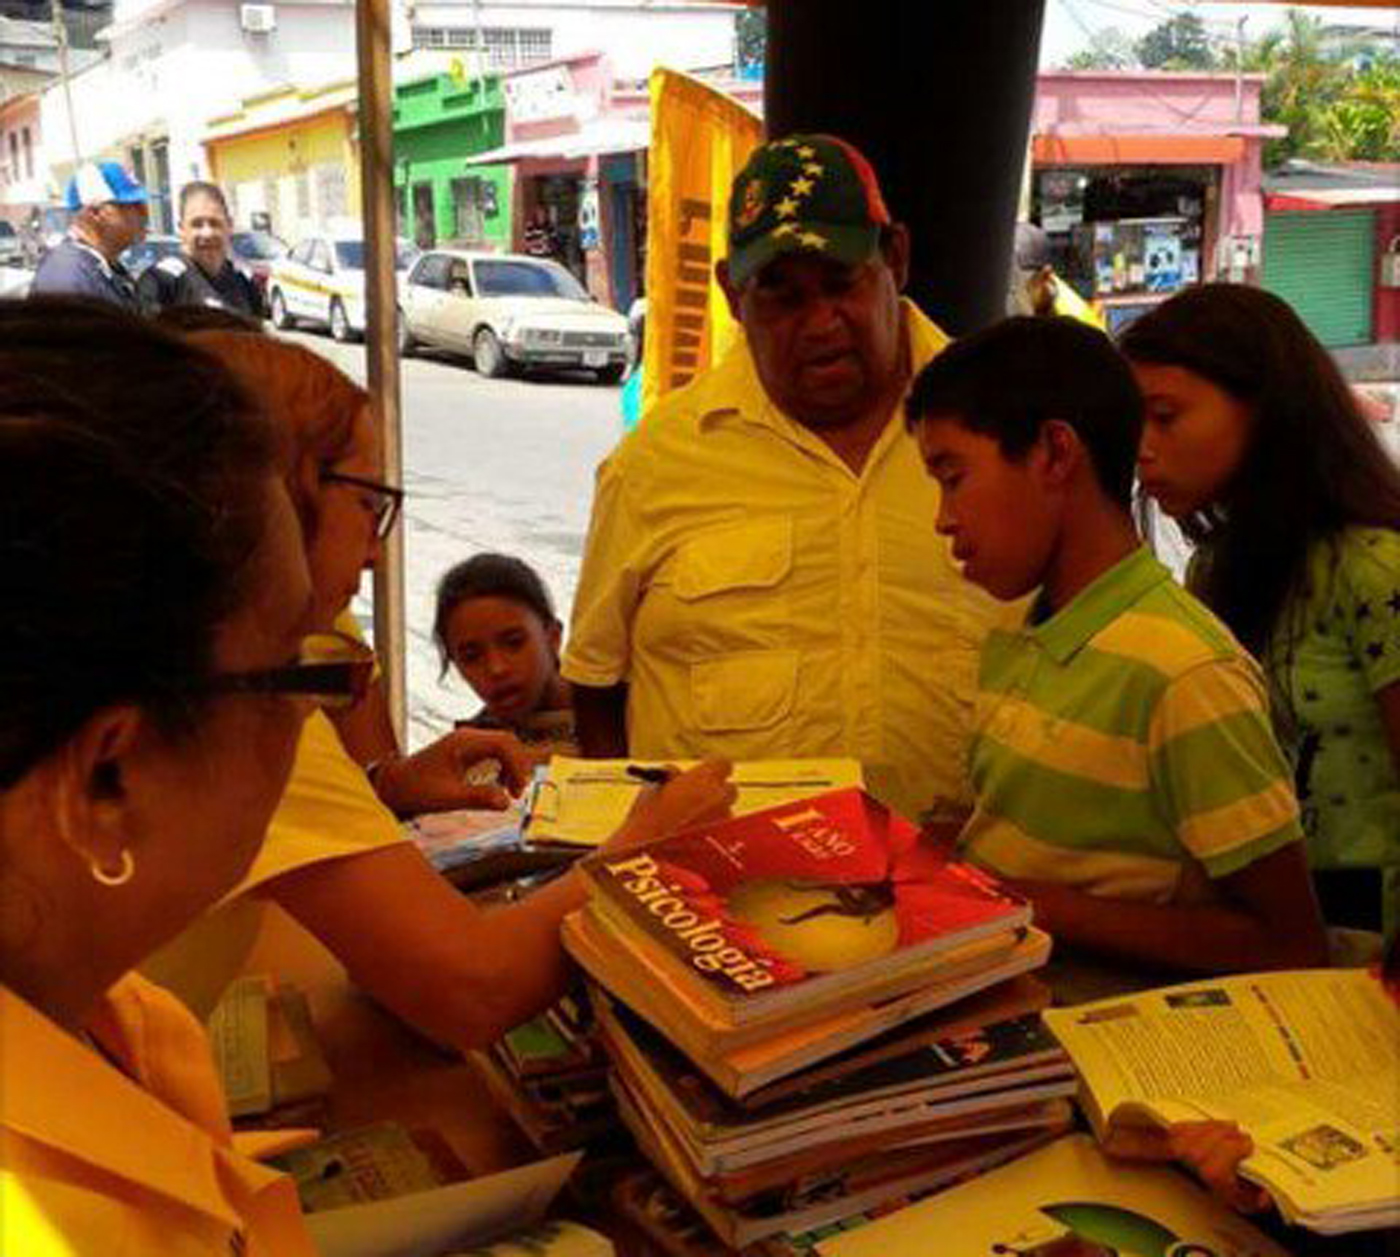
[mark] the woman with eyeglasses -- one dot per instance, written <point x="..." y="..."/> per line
<point x="336" y="858"/>
<point x="154" y="601"/>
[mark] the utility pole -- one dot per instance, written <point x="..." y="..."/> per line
<point x="1239" y="66"/>
<point x="60" y="32"/>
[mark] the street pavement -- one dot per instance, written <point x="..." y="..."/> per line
<point x="488" y="465"/>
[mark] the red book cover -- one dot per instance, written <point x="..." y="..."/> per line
<point x="809" y="897"/>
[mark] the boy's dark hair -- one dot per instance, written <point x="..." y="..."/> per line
<point x="133" y="474"/>
<point x="1011" y="379"/>
<point x="489" y="576"/>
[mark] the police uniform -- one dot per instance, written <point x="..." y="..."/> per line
<point x="179" y="281"/>
<point x="74" y="269"/>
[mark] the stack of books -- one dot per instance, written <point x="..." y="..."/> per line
<point x="810" y="1011"/>
<point x="551" y="1076"/>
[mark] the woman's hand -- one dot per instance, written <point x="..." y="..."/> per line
<point x="435" y="778"/>
<point x="702" y="794"/>
<point x="1212" y="1150"/>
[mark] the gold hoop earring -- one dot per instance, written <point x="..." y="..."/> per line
<point x="123" y="874"/>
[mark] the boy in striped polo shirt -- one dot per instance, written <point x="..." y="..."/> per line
<point x="1126" y="773"/>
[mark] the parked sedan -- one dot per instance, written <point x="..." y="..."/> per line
<point x="322" y="281"/>
<point x="255" y="252"/>
<point x="509" y="313"/>
<point x="148" y="251"/>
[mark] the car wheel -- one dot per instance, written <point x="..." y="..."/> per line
<point x="611" y="374"/>
<point x="340" y="323"/>
<point x="406" y="343"/>
<point x="277" y="306"/>
<point x="490" y="358"/>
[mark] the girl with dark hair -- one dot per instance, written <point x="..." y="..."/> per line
<point x="1254" y="443"/>
<point x="151" y="630"/>
<point x="495" y="624"/>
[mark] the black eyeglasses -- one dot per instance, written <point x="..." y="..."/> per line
<point x="382" y="501"/>
<point x="332" y="670"/>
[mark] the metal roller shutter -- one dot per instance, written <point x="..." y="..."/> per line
<point x="1323" y="265"/>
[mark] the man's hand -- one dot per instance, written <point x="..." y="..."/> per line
<point x="435" y="778"/>
<point x="703" y="794"/>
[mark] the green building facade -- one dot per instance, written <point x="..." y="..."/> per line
<point x="439" y="122"/>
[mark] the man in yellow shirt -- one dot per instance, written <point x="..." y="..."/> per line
<point x="761" y="578"/>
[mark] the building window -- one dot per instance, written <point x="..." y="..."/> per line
<point x="28" y="154"/>
<point x="473" y="202"/>
<point x="507" y="47"/>
<point x="14" y="156"/>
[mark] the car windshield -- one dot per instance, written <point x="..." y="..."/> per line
<point x="351" y="255"/>
<point x="257" y="245"/>
<point x="527" y="279"/>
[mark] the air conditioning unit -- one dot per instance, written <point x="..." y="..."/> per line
<point x="258" y="19"/>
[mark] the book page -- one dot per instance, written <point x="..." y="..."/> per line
<point x="1306" y="1062"/>
<point x="584" y="801"/>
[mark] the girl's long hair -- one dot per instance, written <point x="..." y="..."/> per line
<point x="1312" y="465"/>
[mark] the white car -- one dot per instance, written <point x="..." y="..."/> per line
<point x="509" y="313"/>
<point x="321" y="280"/>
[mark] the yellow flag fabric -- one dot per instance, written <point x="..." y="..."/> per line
<point x="1071" y="304"/>
<point x="700" y="138"/>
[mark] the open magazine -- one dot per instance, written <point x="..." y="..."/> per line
<point x="1307" y="1062"/>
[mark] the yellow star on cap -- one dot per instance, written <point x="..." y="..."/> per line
<point x="784" y="143"/>
<point x="785" y="229"/>
<point x="806" y="152"/>
<point x="815" y="169"/>
<point x="812" y="240"/>
<point x="785" y="208"/>
<point x="800" y="187"/>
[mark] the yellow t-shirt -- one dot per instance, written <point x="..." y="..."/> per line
<point x="763" y="601"/>
<point x="329" y="812"/>
<point x="132" y="1161"/>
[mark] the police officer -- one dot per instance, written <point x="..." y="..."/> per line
<point x="109" y="215"/>
<point x="203" y="274"/>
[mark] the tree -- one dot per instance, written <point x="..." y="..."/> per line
<point x="1179" y="43"/>
<point x="1109" y="49"/>
<point x="751" y="36"/>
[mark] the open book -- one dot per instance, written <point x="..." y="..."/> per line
<point x="1307" y="1062"/>
<point x="584" y="801"/>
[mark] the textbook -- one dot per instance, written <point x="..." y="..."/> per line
<point x="1306" y="1062"/>
<point x="1065" y="1199"/>
<point x="740" y="1064"/>
<point x="819" y="1198"/>
<point x="798" y="904"/>
<point x="927" y="1089"/>
<point x="584" y="801"/>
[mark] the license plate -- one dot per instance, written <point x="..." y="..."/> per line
<point x="595" y="357"/>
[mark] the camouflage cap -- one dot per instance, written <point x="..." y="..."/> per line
<point x="805" y="192"/>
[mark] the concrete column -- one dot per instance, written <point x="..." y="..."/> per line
<point x="938" y="96"/>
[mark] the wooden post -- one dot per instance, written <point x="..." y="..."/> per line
<point x="381" y="340"/>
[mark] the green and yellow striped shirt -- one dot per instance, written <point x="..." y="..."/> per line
<point x="1123" y="746"/>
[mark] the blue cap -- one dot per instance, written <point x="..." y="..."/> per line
<point x="98" y="182"/>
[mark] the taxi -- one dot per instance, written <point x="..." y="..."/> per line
<point x="321" y="281"/>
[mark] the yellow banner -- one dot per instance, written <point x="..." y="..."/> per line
<point x="700" y="138"/>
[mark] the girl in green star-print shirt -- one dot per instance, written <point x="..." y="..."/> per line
<point x="1254" y="443"/>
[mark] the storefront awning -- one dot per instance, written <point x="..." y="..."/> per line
<point x="1137" y="150"/>
<point x="607" y="135"/>
<point x="1330" y="198"/>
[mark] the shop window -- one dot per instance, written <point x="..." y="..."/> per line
<point x="331" y="198"/>
<point x="473" y="202"/>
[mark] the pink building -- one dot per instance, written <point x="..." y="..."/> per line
<point x="1146" y="182"/>
<point x="578" y="140"/>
